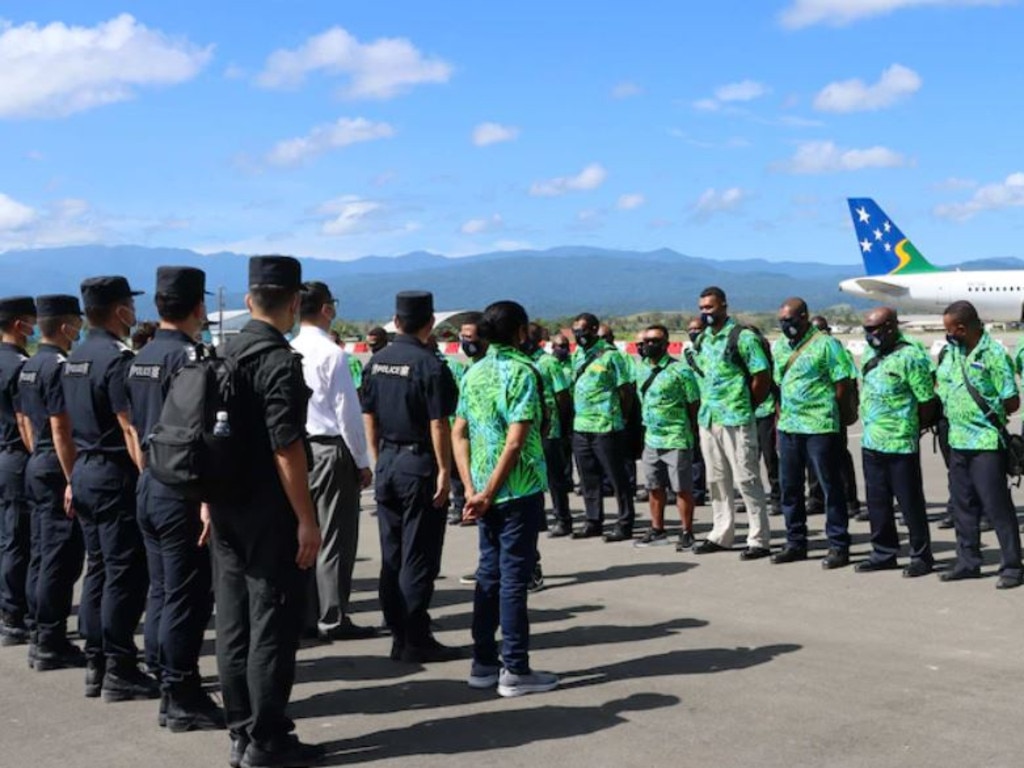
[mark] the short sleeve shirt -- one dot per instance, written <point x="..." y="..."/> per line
<point x="890" y="392"/>
<point x="725" y="394"/>
<point x="498" y="391"/>
<point x="555" y="382"/>
<point x="12" y="358"/>
<point x="42" y="395"/>
<point x="990" y="370"/>
<point x="596" y="389"/>
<point x="808" y="388"/>
<point x="665" y="405"/>
<point x="96" y="390"/>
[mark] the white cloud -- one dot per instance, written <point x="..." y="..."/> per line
<point x="630" y="202"/>
<point x="494" y="133"/>
<point x="897" y="83"/>
<point x="323" y="138"/>
<point x="353" y="215"/>
<point x="57" y="70"/>
<point x="14" y="215"/>
<point x="591" y="177"/>
<point x="814" y="157"/>
<point x="837" y="13"/>
<point x="381" y="69"/>
<point x="626" y="90"/>
<point x="479" y="226"/>
<point x="954" y="183"/>
<point x="731" y="93"/>
<point x="1008" y="193"/>
<point x="712" y="201"/>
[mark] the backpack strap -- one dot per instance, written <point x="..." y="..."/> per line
<point x="983" y="406"/>
<point x="578" y="374"/>
<point x="691" y="358"/>
<point x="875" y="361"/>
<point x="654" y="374"/>
<point x="795" y="354"/>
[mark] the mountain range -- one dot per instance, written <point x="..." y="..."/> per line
<point x="550" y="283"/>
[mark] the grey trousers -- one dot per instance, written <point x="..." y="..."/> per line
<point x="334" y="485"/>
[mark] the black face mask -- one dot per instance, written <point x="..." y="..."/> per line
<point x="528" y="347"/>
<point x="653" y="351"/>
<point x="694" y="335"/>
<point x="708" y="318"/>
<point x="954" y="341"/>
<point x="378" y="346"/>
<point x="881" y="339"/>
<point x="584" y="337"/>
<point x="561" y="353"/>
<point x="792" y="328"/>
<point x="471" y="348"/>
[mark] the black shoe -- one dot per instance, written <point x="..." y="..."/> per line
<point x="291" y="753"/>
<point x="13" y="630"/>
<point x="815" y="509"/>
<point x="455" y="517"/>
<point x="536" y="580"/>
<point x="775" y="509"/>
<point x="836" y="558"/>
<point x="917" y="568"/>
<point x="189" y="708"/>
<point x="866" y="566"/>
<point x="590" y="531"/>
<point x="985" y="525"/>
<point x="161" y="715"/>
<point x="432" y="651"/>
<point x="33" y="651"/>
<point x="396" y="650"/>
<point x="346" y="630"/>
<point x="95" y="671"/>
<point x="1009" y="582"/>
<point x="618" y="534"/>
<point x="126" y="682"/>
<point x="707" y="547"/>
<point x="66" y="656"/>
<point x="946" y="522"/>
<point x="959" y="574"/>
<point x="685" y="542"/>
<point x="862" y="516"/>
<point x="789" y="555"/>
<point x="560" y="530"/>
<point x="754" y="553"/>
<point x="239" y="743"/>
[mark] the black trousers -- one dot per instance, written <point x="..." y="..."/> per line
<point x="601" y="453"/>
<point x="977" y="484"/>
<point x="116" y="581"/>
<point x="260" y="602"/>
<point x="888" y="475"/>
<point x="411" y="539"/>
<point x="847" y="475"/>
<point x="180" y="601"/>
<point x="558" y="486"/>
<point x="15" y="535"/>
<point x="61" y="550"/>
<point x="767" y="444"/>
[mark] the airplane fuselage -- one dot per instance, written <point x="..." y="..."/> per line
<point x="997" y="295"/>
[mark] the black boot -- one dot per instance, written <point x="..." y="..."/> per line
<point x="124" y="681"/>
<point x="62" y="654"/>
<point x="189" y="708"/>
<point x="95" y="671"/>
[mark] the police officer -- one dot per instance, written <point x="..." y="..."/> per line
<point x="103" y="490"/>
<point x="179" y="604"/>
<point x="17" y="323"/>
<point x="57" y="540"/>
<point x="408" y="397"/>
<point x="263" y="539"/>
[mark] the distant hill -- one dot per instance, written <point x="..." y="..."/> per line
<point x="554" y="282"/>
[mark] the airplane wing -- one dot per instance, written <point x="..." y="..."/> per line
<point x="874" y="285"/>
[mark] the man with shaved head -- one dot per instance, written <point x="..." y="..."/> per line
<point x="897" y="401"/>
<point x="979" y="392"/>
<point x="813" y="374"/>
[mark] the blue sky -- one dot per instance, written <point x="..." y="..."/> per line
<point x="723" y="130"/>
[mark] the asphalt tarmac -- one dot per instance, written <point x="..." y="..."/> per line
<point x="666" y="659"/>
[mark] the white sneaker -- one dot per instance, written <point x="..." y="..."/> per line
<point x="483" y="675"/>
<point x="532" y="682"/>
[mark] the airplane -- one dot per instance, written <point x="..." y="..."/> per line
<point x="899" y="275"/>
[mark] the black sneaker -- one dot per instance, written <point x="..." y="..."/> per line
<point x="559" y="530"/>
<point x="239" y="743"/>
<point x="685" y="541"/>
<point x="789" y="555"/>
<point x="653" y="538"/>
<point x="161" y="715"/>
<point x="191" y="709"/>
<point x="618" y="533"/>
<point x="66" y="656"/>
<point x="536" y="580"/>
<point x="708" y="546"/>
<point x="836" y="558"/>
<point x="13" y="630"/>
<point x="289" y="753"/>
<point x="454" y="517"/>
<point x="126" y="682"/>
<point x="946" y="522"/>
<point x="430" y="652"/>
<point x="95" y="671"/>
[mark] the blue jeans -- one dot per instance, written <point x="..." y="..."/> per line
<point x="822" y="453"/>
<point x="508" y="553"/>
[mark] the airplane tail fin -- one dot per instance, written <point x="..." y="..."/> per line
<point x="884" y="248"/>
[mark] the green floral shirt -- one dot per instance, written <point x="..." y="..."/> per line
<point x="990" y="370"/>
<point x="596" y="390"/>
<point x="725" y="395"/>
<point x="355" y="367"/>
<point x="1018" y="357"/>
<point x="808" y="389"/>
<point x="555" y="382"/>
<point x="497" y="391"/>
<point x="889" y="396"/>
<point x="666" y="404"/>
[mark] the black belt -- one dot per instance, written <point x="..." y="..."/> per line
<point x="415" y="447"/>
<point x="327" y="439"/>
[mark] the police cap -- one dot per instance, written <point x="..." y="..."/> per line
<point x="185" y="283"/>
<point x="283" y="271"/>
<point x="107" y="290"/>
<point x="414" y="306"/>
<point x="57" y="305"/>
<point x="17" y="306"/>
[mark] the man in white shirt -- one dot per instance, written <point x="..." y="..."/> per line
<point x="341" y="464"/>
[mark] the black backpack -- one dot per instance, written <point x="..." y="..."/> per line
<point x="732" y="353"/>
<point x="186" y="450"/>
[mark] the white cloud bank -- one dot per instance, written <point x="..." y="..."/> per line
<point x="323" y="138"/>
<point x="838" y="13"/>
<point x="896" y="83"/>
<point x="814" y="157"/>
<point x="591" y="177"/>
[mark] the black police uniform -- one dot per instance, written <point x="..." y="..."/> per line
<point x="103" y="488"/>
<point x="15" y="520"/>
<point x="57" y="544"/>
<point x="407" y="387"/>
<point x="258" y="587"/>
<point x="180" y="601"/>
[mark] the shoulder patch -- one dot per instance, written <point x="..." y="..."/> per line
<point x="28" y="377"/>
<point x="148" y="372"/>
<point x="77" y="369"/>
<point x="384" y="369"/>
